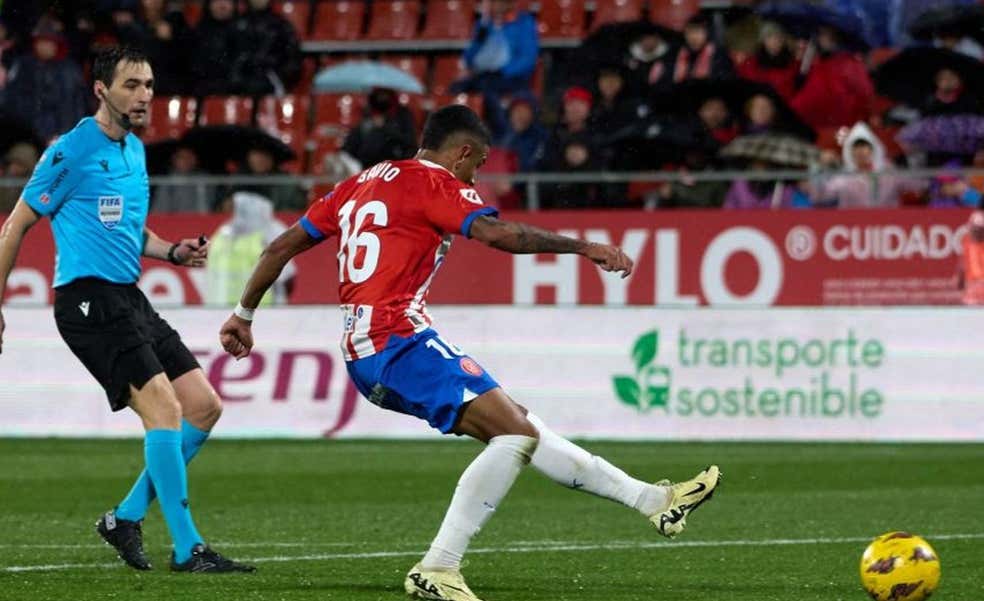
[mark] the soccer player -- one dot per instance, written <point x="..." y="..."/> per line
<point x="92" y="183"/>
<point x="394" y="224"/>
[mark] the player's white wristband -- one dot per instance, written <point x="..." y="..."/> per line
<point x="243" y="313"/>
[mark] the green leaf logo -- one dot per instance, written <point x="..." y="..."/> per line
<point x="645" y="349"/>
<point x="627" y="390"/>
<point x="650" y="387"/>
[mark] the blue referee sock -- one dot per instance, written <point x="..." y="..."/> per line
<point x="134" y="506"/>
<point x="162" y="452"/>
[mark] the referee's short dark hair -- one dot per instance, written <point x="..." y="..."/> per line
<point x="450" y="120"/>
<point x="104" y="66"/>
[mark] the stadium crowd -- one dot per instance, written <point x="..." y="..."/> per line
<point x="854" y="87"/>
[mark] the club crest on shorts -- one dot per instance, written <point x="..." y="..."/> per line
<point x="110" y="211"/>
<point x="468" y="365"/>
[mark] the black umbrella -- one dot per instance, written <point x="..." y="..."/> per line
<point x="215" y="146"/>
<point x="609" y="44"/>
<point x="650" y="143"/>
<point x="802" y="19"/>
<point x="688" y="96"/>
<point x="910" y="75"/>
<point x="958" y="20"/>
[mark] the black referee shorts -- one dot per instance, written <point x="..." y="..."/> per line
<point x="118" y="336"/>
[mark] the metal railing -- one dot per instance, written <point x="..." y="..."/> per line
<point x="531" y="181"/>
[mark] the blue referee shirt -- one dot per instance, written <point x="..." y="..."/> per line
<point x="96" y="192"/>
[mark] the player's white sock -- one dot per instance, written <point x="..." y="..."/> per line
<point x="480" y="489"/>
<point x="569" y="465"/>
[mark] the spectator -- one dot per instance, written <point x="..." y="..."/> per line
<point x="612" y="111"/>
<point x="19" y="162"/>
<point x="759" y="116"/>
<point x="386" y="132"/>
<point x="759" y="194"/>
<point x="502" y="54"/>
<point x="837" y="91"/>
<point x="950" y="191"/>
<point x="46" y="88"/>
<point x="700" y="58"/>
<point x="950" y="96"/>
<point x="285" y="197"/>
<point x="648" y="64"/>
<point x="715" y="119"/>
<point x="970" y="264"/>
<point x="688" y="193"/>
<point x="166" y="38"/>
<point x="864" y="156"/>
<point x="576" y="155"/>
<point x="237" y="244"/>
<point x="216" y="49"/>
<point x="773" y="62"/>
<point x="169" y="198"/>
<point x="524" y="136"/>
<point x="573" y="122"/>
<point x="270" y="54"/>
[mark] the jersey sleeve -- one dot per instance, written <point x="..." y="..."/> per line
<point x="55" y="178"/>
<point x="455" y="207"/>
<point x="321" y="220"/>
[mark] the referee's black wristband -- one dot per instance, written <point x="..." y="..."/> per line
<point x="171" y="256"/>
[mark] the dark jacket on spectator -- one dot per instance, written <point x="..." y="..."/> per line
<point x="371" y="142"/>
<point x="217" y="52"/>
<point x="710" y="62"/>
<point x="50" y="95"/>
<point x="270" y="54"/>
<point x="963" y="104"/>
<point x="169" y="57"/>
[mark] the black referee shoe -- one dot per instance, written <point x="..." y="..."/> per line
<point x="126" y="537"/>
<point x="204" y="559"/>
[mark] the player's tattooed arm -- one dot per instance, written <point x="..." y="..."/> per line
<point x="521" y="238"/>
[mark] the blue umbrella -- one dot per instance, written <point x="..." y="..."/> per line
<point x="362" y="76"/>
<point x="802" y="19"/>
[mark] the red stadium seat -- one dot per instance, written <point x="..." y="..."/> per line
<point x="447" y="69"/>
<point x="394" y="20"/>
<point x="309" y="66"/>
<point x="672" y="13"/>
<point x="169" y="117"/>
<point x="415" y="65"/>
<point x="449" y="19"/>
<point x="338" y="20"/>
<point x="616" y="11"/>
<point x="334" y="115"/>
<point x="561" y="18"/>
<point x="285" y="118"/>
<point x="226" y="110"/>
<point x="297" y="13"/>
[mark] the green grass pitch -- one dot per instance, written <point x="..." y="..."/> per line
<point x="327" y="520"/>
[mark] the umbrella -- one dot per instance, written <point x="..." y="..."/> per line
<point x="688" y="96"/>
<point x="784" y="151"/>
<point x="650" y="142"/>
<point x="802" y="19"/>
<point x="609" y="44"/>
<point x="216" y="145"/>
<point x="955" y="134"/>
<point x="362" y="76"/>
<point x="910" y="75"/>
<point x="960" y="20"/>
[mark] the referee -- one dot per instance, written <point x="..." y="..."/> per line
<point x="92" y="183"/>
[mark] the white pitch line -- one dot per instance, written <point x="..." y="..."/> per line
<point x="549" y="546"/>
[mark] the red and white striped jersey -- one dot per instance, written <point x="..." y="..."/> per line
<point x="393" y="224"/>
